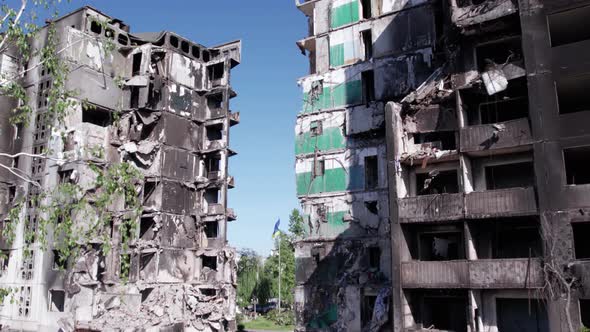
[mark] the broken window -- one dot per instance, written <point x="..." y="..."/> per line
<point x="499" y="52"/>
<point x="214" y="132"/>
<point x="442" y="140"/>
<point x="95" y="27"/>
<point x="517" y="240"/>
<point x="123" y="39"/>
<point x="521" y="315"/>
<point x="319" y="168"/>
<point x="510" y="176"/>
<point x="57" y="299"/>
<point x="213" y="167"/>
<point x="367" y="307"/>
<point x="215" y="73"/>
<point x="437" y="182"/>
<point x="371" y="172"/>
<point x="445" y="310"/>
<point x="368" y="84"/>
<point x="4" y="260"/>
<point x="145" y="259"/>
<point x="581" y="232"/>
<point x="145" y="293"/>
<point x="441" y="246"/>
<point x="576" y="165"/>
<point x="315" y="128"/>
<point x="59" y="262"/>
<point x="149" y="187"/>
<point x="366" y="4"/>
<point x="585" y="312"/>
<point x="134" y="97"/>
<point x="503" y="109"/>
<point x="96" y="115"/>
<point x="66" y="176"/>
<point x="367" y="44"/>
<point x="212" y="196"/>
<point x="109" y="33"/>
<point x="146" y="225"/>
<point x="208" y="291"/>
<point x="206" y="56"/>
<point x="372" y="206"/>
<point x="569" y="26"/>
<point x="210" y="262"/>
<point x="136" y="65"/>
<point x="24" y="301"/>
<point x="572" y="94"/>
<point x="196" y="51"/>
<point x="184" y="46"/>
<point x="212" y="229"/>
<point x="374" y="257"/>
<point x="173" y="41"/>
<point x="215" y="101"/>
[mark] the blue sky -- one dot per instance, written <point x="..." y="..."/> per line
<point x="268" y="96"/>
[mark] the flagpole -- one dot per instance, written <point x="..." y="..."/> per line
<point x="280" y="272"/>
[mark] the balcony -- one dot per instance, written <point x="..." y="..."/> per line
<point x="479" y="13"/>
<point x="431" y="207"/>
<point x="505" y="136"/>
<point x="234" y="118"/>
<point x="501" y="203"/>
<point x="477" y="274"/>
<point x="215" y="209"/>
<point x="231" y="214"/>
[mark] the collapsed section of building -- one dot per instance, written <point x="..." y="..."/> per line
<point x="160" y="103"/>
<point x="471" y="114"/>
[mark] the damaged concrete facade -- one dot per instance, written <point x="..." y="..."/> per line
<point x="160" y="102"/>
<point x="484" y="144"/>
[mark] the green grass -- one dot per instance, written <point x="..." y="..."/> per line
<point x="262" y="323"/>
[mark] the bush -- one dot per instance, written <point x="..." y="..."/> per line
<point x="281" y="318"/>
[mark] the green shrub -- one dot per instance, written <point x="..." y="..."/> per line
<point x="281" y="318"/>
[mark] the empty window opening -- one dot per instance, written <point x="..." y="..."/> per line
<point x="184" y="46"/>
<point x="215" y="72"/>
<point x="57" y="299"/>
<point x="212" y="229"/>
<point x="368" y="84"/>
<point x="572" y="94"/>
<point x="581" y="235"/>
<point x="315" y="128"/>
<point x="437" y="182"/>
<point x="123" y="39"/>
<point x="145" y="259"/>
<point x="212" y="196"/>
<point x="213" y="167"/>
<point x="137" y="63"/>
<point x="521" y="315"/>
<point x="445" y="312"/>
<point x="503" y="110"/>
<point x="145" y="294"/>
<point x="570" y="26"/>
<point x="134" y="97"/>
<point x="210" y="262"/>
<point x="367" y="308"/>
<point x="214" y="132"/>
<point x="208" y="291"/>
<point x="206" y="56"/>
<point x="146" y="130"/>
<point x="499" y="52"/>
<point x="510" y="176"/>
<point x="96" y="115"/>
<point x="174" y="41"/>
<point x="441" y="246"/>
<point x="366" y="4"/>
<point x="149" y="187"/>
<point x="4" y="260"/>
<point x="371" y="172"/>
<point x="196" y="51"/>
<point x="576" y="165"/>
<point x="442" y="140"/>
<point x="95" y="27"/>
<point x="215" y="101"/>
<point x="66" y="176"/>
<point x="109" y="33"/>
<point x="146" y="225"/>
<point x="367" y="44"/>
<point x="372" y="206"/>
<point x="12" y="189"/>
<point x="374" y="257"/>
<point x="24" y="301"/>
<point x="585" y="312"/>
<point x="59" y="262"/>
<point x="319" y="168"/>
<point x="517" y="240"/>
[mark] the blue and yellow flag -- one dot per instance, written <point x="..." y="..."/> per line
<point x="276" y="230"/>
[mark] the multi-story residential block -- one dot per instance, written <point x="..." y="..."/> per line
<point x="485" y="141"/>
<point x="160" y="103"/>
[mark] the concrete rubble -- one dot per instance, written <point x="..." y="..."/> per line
<point x="161" y="103"/>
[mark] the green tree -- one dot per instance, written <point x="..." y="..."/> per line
<point x="296" y="226"/>
<point x="249" y="265"/>
<point x="287" y="269"/>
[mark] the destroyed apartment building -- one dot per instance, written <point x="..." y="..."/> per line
<point x="161" y="103"/>
<point x="441" y="162"/>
